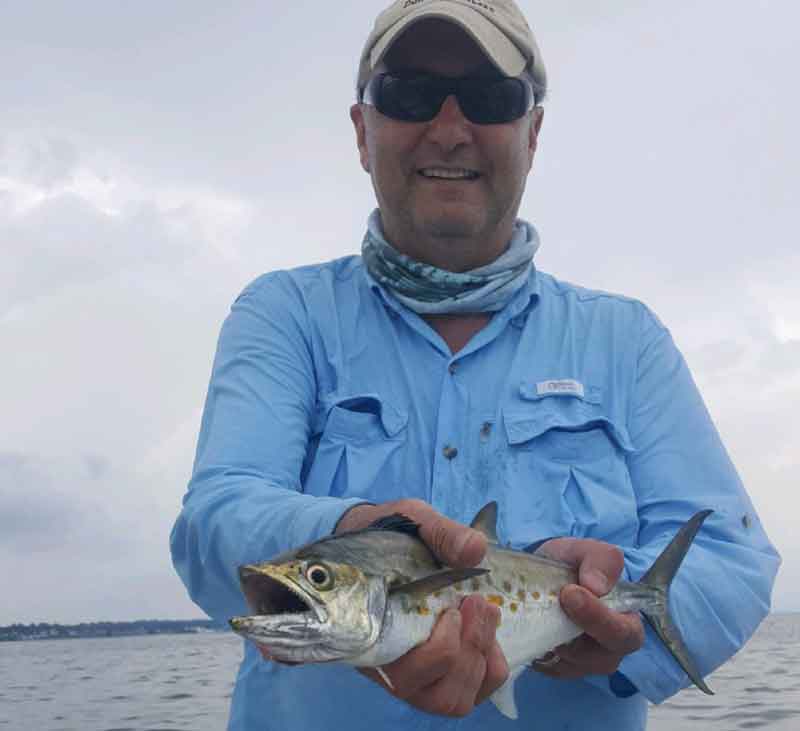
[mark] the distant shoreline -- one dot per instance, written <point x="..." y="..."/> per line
<point x="138" y="628"/>
<point x="47" y="631"/>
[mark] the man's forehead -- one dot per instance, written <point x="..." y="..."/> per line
<point x="438" y="45"/>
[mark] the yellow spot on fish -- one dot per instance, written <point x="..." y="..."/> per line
<point x="507" y="586"/>
<point x="423" y="610"/>
<point x="553" y="593"/>
<point x="514" y="606"/>
<point x="476" y="584"/>
<point x="495" y="599"/>
<point x="521" y="595"/>
<point x="536" y="595"/>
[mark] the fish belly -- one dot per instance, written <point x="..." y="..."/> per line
<point x="531" y="633"/>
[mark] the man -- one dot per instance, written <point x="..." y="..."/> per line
<point x="440" y="371"/>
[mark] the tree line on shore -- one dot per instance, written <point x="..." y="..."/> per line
<point x="48" y="631"/>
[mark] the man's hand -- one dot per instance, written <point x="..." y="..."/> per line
<point x="454" y="544"/>
<point x="608" y="636"/>
<point x="461" y="664"/>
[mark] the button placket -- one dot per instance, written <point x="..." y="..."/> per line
<point x="446" y="470"/>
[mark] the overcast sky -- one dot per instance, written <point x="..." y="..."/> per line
<point x="155" y="157"/>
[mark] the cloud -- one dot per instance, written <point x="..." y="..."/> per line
<point x="94" y="224"/>
<point x="751" y="383"/>
<point x="51" y="162"/>
<point x="60" y="506"/>
<point x="81" y="539"/>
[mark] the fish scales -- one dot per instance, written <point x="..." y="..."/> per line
<point x="530" y="625"/>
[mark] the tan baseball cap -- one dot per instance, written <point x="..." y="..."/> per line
<point x="497" y="26"/>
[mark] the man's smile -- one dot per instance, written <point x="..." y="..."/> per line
<point x="442" y="173"/>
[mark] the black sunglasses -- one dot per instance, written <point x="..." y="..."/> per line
<point x="411" y="96"/>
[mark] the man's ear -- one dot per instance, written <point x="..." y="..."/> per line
<point x="357" y="116"/>
<point x="537" y="116"/>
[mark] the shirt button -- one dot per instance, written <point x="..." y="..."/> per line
<point x="452" y="368"/>
<point x="450" y="452"/>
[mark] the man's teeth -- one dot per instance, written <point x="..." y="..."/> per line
<point x="449" y="174"/>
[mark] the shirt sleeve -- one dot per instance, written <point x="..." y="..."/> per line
<point x="245" y="502"/>
<point x="722" y="590"/>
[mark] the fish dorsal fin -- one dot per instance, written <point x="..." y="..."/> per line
<point x="440" y="580"/>
<point x="503" y="697"/>
<point x="486" y="521"/>
<point x="396" y="522"/>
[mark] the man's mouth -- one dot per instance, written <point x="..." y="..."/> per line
<point x="449" y="174"/>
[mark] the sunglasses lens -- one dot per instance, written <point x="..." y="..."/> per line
<point x="408" y="98"/>
<point x="419" y="97"/>
<point x="494" y="101"/>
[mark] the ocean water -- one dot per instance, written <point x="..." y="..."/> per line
<point x="168" y="682"/>
<point x="757" y="688"/>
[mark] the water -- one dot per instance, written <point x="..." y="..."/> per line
<point x="164" y="683"/>
<point x="758" y="688"/>
<point x="150" y="683"/>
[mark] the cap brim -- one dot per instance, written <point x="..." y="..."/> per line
<point x="494" y="44"/>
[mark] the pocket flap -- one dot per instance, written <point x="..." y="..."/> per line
<point x="391" y="419"/>
<point x="524" y="427"/>
<point x="534" y="414"/>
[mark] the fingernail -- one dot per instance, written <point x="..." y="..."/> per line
<point x="461" y="545"/>
<point x="498" y="619"/>
<point x="461" y="541"/>
<point x="491" y="618"/>
<point x="597" y="582"/>
<point x="453" y="616"/>
<point x="574" y="598"/>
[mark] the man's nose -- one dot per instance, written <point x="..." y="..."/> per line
<point x="450" y="128"/>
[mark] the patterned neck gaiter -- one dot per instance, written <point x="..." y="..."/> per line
<point x="428" y="290"/>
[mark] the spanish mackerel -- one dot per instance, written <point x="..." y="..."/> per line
<point x="367" y="597"/>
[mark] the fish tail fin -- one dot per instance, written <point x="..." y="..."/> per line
<point x="659" y="577"/>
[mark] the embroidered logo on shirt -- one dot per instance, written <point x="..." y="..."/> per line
<point x="564" y="387"/>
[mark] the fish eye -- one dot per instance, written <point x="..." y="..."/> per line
<point x="320" y="576"/>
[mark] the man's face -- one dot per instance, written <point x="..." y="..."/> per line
<point x="455" y="224"/>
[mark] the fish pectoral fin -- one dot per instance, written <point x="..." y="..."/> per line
<point x="503" y="697"/>
<point x="486" y="521"/>
<point x="435" y="582"/>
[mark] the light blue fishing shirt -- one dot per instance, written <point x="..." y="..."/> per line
<point x="572" y="408"/>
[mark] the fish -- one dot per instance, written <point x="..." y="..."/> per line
<point x="367" y="597"/>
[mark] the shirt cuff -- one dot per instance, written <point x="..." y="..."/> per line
<point x="319" y="518"/>
<point x="346" y="511"/>
<point x="621" y="686"/>
<point x="616" y="684"/>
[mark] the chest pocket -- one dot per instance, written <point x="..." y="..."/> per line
<point x="355" y="448"/>
<point x="566" y="469"/>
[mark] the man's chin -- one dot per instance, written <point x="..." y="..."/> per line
<point x="450" y="227"/>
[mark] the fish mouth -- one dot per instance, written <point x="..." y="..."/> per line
<point x="270" y="594"/>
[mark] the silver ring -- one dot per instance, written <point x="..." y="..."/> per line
<point x="549" y="662"/>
